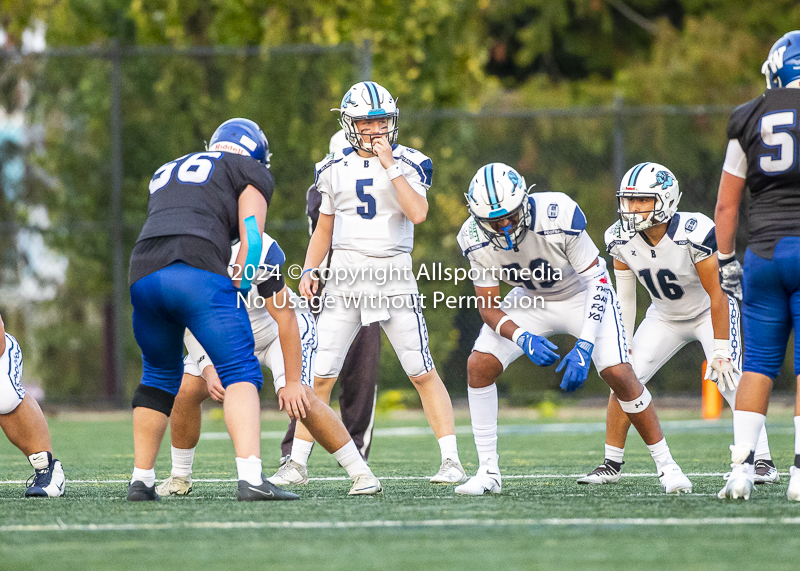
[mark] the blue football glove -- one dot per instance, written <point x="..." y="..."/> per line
<point x="577" y="364"/>
<point x="538" y="349"/>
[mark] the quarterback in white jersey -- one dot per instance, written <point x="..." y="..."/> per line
<point x="373" y="193"/>
<point x="673" y="255"/>
<point x="280" y="320"/>
<point x="510" y="236"/>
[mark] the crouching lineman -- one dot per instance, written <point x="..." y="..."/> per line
<point x="24" y="424"/>
<point x="509" y="234"/>
<point x="285" y="336"/>
<point x="673" y="254"/>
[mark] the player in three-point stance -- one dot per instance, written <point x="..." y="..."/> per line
<point x="279" y="319"/>
<point x="373" y="194"/>
<point x="673" y="255"/>
<point x="24" y="424"/>
<point x="179" y="280"/>
<point x="763" y="135"/>
<point x="509" y="234"/>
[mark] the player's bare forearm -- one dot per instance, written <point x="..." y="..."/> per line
<point x="289" y="334"/>
<point x="726" y="213"/>
<point x="320" y="241"/>
<point x="414" y="205"/>
<point x="491" y="314"/>
<point x="708" y="272"/>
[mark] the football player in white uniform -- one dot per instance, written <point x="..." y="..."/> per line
<point x="538" y="242"/>
<point x="673" y="255"/>
<point x="279" y="320"/>
<point x="24" y="424"/>
<point x="373" y="193"/>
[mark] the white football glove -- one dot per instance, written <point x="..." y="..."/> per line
<point x="722" y="370"/>
<point x="730" y="277"/>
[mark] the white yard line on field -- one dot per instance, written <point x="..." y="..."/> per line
<point x="466" y="522"/>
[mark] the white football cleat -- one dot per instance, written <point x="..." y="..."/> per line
<point x="175" y="486"/>
<point x="486" y="480"/>
<point x="605" y="473"/>
<point x="290" y="473"/>
<point x="766" y="472"/>
<point x="793" y="493"/>
<point x="673" y="480"/>
<point x="48" y="482"/>
<point x="740" y="483"/>
<point x="451" y="472"/>
<point x="365" y="485"/>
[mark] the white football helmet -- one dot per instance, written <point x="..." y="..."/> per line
<point x="367" y="100"/>
<point x="648" y="180"/>
<point x="498" y="201"/>
<point x="338" y="142"/>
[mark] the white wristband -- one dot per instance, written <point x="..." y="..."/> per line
<point x="721" y="345"/>
<point x="722" y="256"/>
<point x="394" y="171"/>
<point x="500" y="324"/>
<point x="519" y="331"/>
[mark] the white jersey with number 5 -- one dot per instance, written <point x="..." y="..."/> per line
<point x="667" y="270"/>
<point x="367" y="216"/>
<point x="556" y="240"/>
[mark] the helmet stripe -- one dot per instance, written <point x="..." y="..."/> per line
<point x="635" y="174"/>
<point x="489" y="176"/>
<point x="373" y="94"/>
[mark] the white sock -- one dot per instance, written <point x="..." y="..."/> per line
<point x="449" y="448"/>
<point x="762" y="446"/>
<point x="182" y="460"/>
<point x="301" y="450"/>
<point x="796" y="435"/>
<point x="483" y="412"/>
<point x="40" y="460"/>
<point x="613" y="453"/>
<point x="249" y="469"/>
<point x="660" y="453"/>
<point x="146" y="476"/>
<point x="350" y="459"/>
<point x="746" y="427"/>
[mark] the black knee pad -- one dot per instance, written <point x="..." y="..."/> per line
<point x="153" y="398"/>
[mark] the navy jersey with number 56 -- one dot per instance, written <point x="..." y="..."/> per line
<point x="193" y="212"/>
<point x="768" y="129"/>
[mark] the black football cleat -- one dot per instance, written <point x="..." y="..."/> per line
<point x="265" y="492"/>
<point x="138" y="491"/>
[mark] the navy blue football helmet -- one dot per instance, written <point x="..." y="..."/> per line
<point x="241" y="136"/>
<point x="783" y="63"/>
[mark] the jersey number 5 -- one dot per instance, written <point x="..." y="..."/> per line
<point x="367" y="212"/>
<point x="774" y="129"/>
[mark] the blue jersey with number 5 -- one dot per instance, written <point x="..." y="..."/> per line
<point x="768" y="129"/>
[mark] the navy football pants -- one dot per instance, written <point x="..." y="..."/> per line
<point x="178" y="297"/>
<point x="771" y="308"/>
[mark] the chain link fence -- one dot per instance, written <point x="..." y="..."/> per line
<point x="84" y="129"/>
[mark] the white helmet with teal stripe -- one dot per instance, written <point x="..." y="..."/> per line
<point x="498" y="201"/>
<point x="648" y="180"/>
<point x="367" y="100"/>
